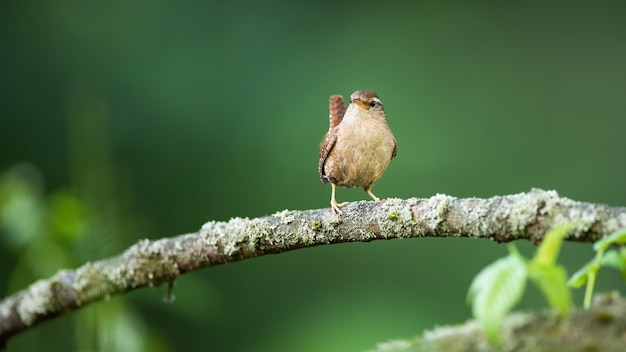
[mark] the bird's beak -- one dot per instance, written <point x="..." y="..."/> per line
<point x="361" y="104"/>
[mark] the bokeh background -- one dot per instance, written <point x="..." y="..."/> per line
<point x="125" y="120"/>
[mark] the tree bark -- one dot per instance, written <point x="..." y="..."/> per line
<point x="152" y="263"/>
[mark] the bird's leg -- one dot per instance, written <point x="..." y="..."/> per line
<point x="333" y="201"/>
<point x="368" y="190"/>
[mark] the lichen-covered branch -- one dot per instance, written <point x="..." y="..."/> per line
<point x="601" y="328"/>
<point x="151" y="263"/>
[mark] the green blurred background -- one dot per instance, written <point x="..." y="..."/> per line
<point x="124" y="120"/>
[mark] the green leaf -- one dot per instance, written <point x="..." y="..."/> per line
<point x="616" y="237"/>
<point x="22" y="209"/>
<point x="552" y="281"/>
<point x="615" y="259"/>
<point x="612" y="259"/>
<point x="581" y="276"/>
<point x="495" y="291"/>
<point x="68" y="214"/>
<point x="549" y="249"/>
<point x="547" y="275"/>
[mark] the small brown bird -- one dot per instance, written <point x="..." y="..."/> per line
<point x="358" y="146"/>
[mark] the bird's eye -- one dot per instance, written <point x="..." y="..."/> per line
<point x="373" y="103"/>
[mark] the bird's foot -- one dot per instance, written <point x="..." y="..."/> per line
<point x="336" y="206"/>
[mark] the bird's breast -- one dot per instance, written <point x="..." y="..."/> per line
<point x="362" y="152"/>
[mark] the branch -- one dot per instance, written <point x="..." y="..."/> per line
<point x="151" y="263"/>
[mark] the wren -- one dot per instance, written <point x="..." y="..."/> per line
<point x="358" y="146"/>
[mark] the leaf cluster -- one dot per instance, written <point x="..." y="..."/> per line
<point x="500" y="286"/>
<point x="605" y="256"/>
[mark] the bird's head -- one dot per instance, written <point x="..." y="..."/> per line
<point x="367" y="100"/>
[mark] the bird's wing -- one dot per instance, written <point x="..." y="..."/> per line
<point x="395" y="149"/>
<point x="337" y="110"/>
<point x="327" y="145"/>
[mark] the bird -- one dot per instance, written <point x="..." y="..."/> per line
<point x="358" y="146"/>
